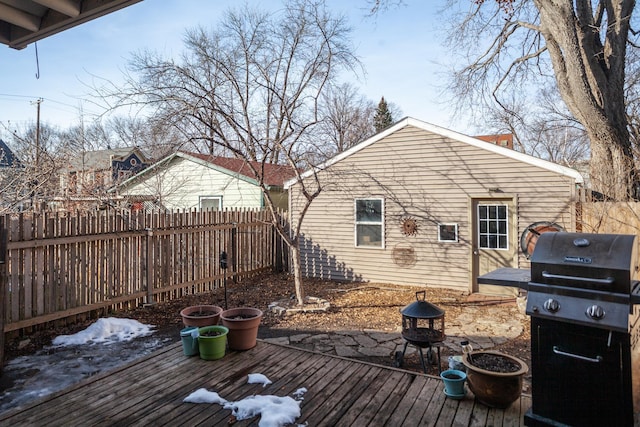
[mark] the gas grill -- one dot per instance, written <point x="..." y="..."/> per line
<point x="582" y="298"/>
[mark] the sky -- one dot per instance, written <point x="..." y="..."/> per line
<point x="401" y="51"/>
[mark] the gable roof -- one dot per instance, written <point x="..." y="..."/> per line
<point x="7" y="158"/>
<point x="409" y="121"/>
<point x="274" y="175"/>
<point x="101" y="159"/>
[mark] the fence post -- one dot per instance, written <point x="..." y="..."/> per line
<point x="3" y="284"/>
<point x="149" y="265"/>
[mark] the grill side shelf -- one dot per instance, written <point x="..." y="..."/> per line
<point x="510" y="277"/>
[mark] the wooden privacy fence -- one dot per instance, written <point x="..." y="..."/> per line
<point x="59" y="266"/>
<point x="610" y="217"/>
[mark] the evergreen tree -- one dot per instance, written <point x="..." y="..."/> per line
<point x="382" y="119"/>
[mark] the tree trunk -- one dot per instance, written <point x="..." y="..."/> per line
<point x="590" y="72"/>
<point x="297" y="274"/>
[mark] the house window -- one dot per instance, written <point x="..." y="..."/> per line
<point x="211" y="203"/>
<point x="493" y="227"/>
<point x="447" y="232"/>
<point x="369" y="222"/>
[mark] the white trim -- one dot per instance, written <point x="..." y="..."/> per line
<point x="356" y="223"/>
<point x="456" y="239"/>
<point x="409" y="121"/>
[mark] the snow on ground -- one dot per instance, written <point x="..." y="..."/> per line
<point x="107" y="331"/>
<point x="72" y="358"/>
<point x="274" y="411"/>
<point x="76" y="357"/>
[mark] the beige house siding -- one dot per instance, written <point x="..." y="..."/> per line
<point x="180" y="183"/>
<point x="432" y="178"/>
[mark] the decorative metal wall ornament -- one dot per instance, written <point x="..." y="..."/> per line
<point x="404" y="256"/>
<point x="409" y="226"/>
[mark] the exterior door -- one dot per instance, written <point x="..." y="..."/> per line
<point x="494" y="241"/>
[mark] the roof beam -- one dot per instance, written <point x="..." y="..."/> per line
<point x="66" y="7"/>
<point x="21" y="19"/>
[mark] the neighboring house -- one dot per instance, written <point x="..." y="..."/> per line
<point x="7" y="158"/>
<point x="422" y="205"/>
<point x="94" y="171"/>
<point x="14" y="194"/>
<point x="503" y="139"/>
<point x="84" y="181"/>
<point x="199" y="181"/>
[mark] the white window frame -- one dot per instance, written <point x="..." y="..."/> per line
<point x="371" y="223"/>
<point x="455" y="232"/>
<point x="496" y="233"/>
<point x="218" y="198"/>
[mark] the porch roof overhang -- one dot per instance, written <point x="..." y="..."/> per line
<point x="26" y="21"/>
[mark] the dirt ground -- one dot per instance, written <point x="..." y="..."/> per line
<point x="353" y="306"/>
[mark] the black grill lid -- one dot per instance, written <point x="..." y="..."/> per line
<point x="606" y="262"/>
<point x="422" y="309"/>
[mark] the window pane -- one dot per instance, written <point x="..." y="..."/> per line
<point x="369" y="210"/>
<point x="482" y="212"/>
<point x="493" y="212"/>
<point x="502" y="212"/>
<point x="369" y="235"/>
<point x="210" y="203"/>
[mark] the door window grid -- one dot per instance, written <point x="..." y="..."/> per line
<point x="493" y="226"/>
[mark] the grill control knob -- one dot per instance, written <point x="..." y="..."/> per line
<point x="551" y="305"/>
<point x="595" y="312"/>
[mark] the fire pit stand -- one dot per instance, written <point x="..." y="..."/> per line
<point x="422" y="327"/>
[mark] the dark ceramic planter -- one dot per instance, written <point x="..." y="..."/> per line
<point x="495" y="389"/>
<point x="201" y="315"/>
<point x="243" y="325"/>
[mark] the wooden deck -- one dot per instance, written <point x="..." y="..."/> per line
<point x="341" y="392"/>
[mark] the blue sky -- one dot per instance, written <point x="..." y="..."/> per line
<point x="401" y="51"/>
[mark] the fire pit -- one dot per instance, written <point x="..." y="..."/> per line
<point x="422" y="327"/>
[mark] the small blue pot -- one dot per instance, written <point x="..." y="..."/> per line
<point x="454" y="383"/>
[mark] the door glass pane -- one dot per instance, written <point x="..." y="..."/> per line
<point x="493" y="226"/>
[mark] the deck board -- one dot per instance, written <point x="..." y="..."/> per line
<point x="340" y="392"/>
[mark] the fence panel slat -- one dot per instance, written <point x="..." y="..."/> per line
<point x="60" y="266"/>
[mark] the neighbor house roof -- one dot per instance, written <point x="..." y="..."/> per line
<point x="100" y="159"/>
<point x="408" y="121"/>
<point x="274" y="175"/>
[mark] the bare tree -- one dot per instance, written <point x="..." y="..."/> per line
<point x="33" y="179"/>
<point x="542" y="129"/>
<point x="581" y="45"/>
<point x="250" y="88"/>
<point x="348" y="119"/>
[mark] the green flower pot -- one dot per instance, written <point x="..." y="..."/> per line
<point x="212" y="347"/>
